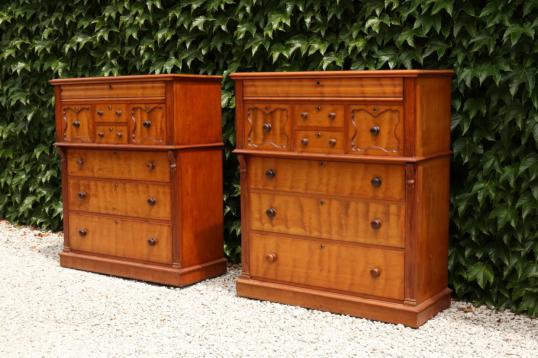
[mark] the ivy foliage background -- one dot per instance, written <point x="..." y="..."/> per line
<point x="491" y="45"/>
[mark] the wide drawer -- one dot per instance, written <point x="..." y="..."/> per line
<point x="375" y="181"/>
<point x="324" y="87"/>
<point x="152" y="166"/>
<point x="113" y="90"/>
<point x="337" y="266"/>
<point x="120" y="197"/>
<point x="372" y="222"/>
<point x="121" y="237"/>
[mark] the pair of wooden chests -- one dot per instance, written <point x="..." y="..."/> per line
<point x="344" y="185"/>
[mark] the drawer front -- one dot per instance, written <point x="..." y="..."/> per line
<point x="77" y="123"/>
<point x="152" y="166"/>
<point x="109" y="134"/>
<point x="121" y="237"/>
<point x="373" y="181"/>
<point x="324" y="87"/>
<point x="148" y="123"/>
<point x="111" y="113"/>
<point x="319" y="115"/>
<point x="150" y="201"/>
<point x="376" y="130"/>
<point x="380" y="223"/>
<point x="268" y="126"/>
<point x="329" y="265"/>
<point x="328" y="142"/>
<point x="113" y="90"/>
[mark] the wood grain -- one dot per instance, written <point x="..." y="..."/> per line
<point x="319" y="141"/>
<point x="116" y="90"/>
<point x="268" y="126"/>
<point x="148" y="123"/>
<point x="111" y="134"/>
<point x="111" y="113"/>
<point x="318" y="115"/>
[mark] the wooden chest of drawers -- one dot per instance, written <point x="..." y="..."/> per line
<point x="141" y="173"/>
<point x="345" y="190"/>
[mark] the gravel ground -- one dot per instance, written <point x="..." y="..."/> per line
<point x="49" y="311"/>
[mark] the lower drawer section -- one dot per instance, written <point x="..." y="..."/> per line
<point x="121" y="237"/>
<point x="337" y="266"/>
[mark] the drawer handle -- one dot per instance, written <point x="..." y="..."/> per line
<point x="101" y="134"/>
<point x="147" y="123"/>
<point x="80" y="162"/>
<point x="150" y="165"/>
<point x="332" y="142"/>
<point x="376" y="182"/>
<point x="271" y="257"/>
<point x="375" y="131"/>
<point x="375" y="272"/>
<point x="100" y="113"/>
<point x="152" y="241"/>
<point x="152" y="201"/>
<point x="82" y="194"/>
<point x="82" y="232"/>
<point x="270" y="173"/>
<point x="119" y="134"/>
<point x="332" y="116"/>
<point x="376" y="224"/>
<point x="76" y="123"/>
<point x="271" y="212"/>
<point x="267" y="127"/>
<point x="118" y="113"/>
<point x="304" y="141"/>
<point x="304" y="115"/>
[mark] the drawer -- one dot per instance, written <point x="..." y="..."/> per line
<point x="376" y="130"/>
<point x="148" y="123"/>
<point x="121" y="237"/>
<point x="372" y="181"/>
<point x="152" y="166"/>
<point x="319" y="115"/>
<point x="268" y="126"/>
<point x="324" y="87"/>
<point x="113" y="90"/>
<point x="111" y="113"/>
<point x="329" y="142"/>
<point x="77" y="123"/>
<point x="150" y="201"/>
<point x="109" y="134"/>
<point x="330" y="265"/>
<point x="374" y="222"/>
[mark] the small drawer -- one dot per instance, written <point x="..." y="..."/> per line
<point x="376" y="130"/>
<point x="121" y="237"/>
<point x="77" y="123"/>
<point x="153" y="166"/>
<point x="331" y="265"/>
<point x="370" y="181"/>
<point x="371" y="222"/>
<point x="111" y="113"/>
<point x="107" y="134"/>
<point x="113" y="90"/>
<point x="319" y="115"/>
<point x="148" y="123"/>
<point x="150" y="201"/>
<point x="268" y="126"/>
<point x="329" y="142"/>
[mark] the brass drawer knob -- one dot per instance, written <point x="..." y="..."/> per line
<point x="152" y="201"/>
<point x="304" y="115"/>
<point x="271" y="257"/>
<point x="267" y="127"/>
<point x="76" y="123"/>
<point x="375" y="131"/>
<point x="152" y="241"/>
<point x="376" y="182"/>
<point x="101" y="134"/>
<point x="270" y="173"/>
<point x="81" y="194"/>
<point x="304" y="141"/>
<point x="376" y="224"/>
<point x="80" y="162"/>
<point x="332" y="116"/>
<point x="147" y="123"/>
<point x="82" y="231"/>
<point x="271" y="212"/>
<point x="375" y="272"/>
<point x="332" y="142"/>
<point x="150" y="165"/>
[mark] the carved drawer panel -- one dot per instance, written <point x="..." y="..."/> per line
<point x="110" y="134"/>
<point x="77" y="123"/>
<point x="372" y="222"/>
<point x="330" y="142"/>
<point x="148" y="125"/>
<point x="319" y="115"/>
<point x="376" y="130"/>
<point x="331" y="265"/>
<point x="113" y="90"/>
<point x="119" y="164"/>
<point x="120" y="197"/>
<point x="268" y="126"/>
<point x="111" y="113"/>
<point x="375" y="181"/>
<point x="121" y="237"/>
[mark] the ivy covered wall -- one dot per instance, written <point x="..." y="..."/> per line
<point x="491" y="45"/>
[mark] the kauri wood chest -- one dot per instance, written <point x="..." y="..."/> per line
<point x="345" y="190"/>
<point x="141" y="161"/>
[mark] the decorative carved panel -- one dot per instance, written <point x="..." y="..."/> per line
<point x="77" y="123"/>
<point x="147" y="124"/>
<point x="268" y="126"/>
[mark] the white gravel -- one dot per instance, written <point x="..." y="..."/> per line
<point x="49" y="311"/>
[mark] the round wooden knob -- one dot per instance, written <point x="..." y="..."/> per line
<point x="376" y="224"/>
<point x="332" y="116"/>
<point x="304" y="141"/>
<point x="271" y="212"/>
<point x="375" y="131"/>
<point x="267" y="127"/>
<point x="81" y="194"/>
<point x="82" y="232"/>
<point x="101" y="134"/>
<point x="332" y="142"/>
<point x="152" y="201"/>
<point x="100" y="113"/>
<point x="152" y="241"/>
<point x="376" y="182"/>
<point x="119" y="134"/>
<point x="270" y="173"/>
<point x="80" y="161"/>
<point x="76" y="123"/>
<point x="375" y="272"/>
<point x="147" y="123"/>
<point x="304" y="115"/>
<point x="118" y="113"/>
<point x="150" y="165"/>
<point x="271" y="257"/>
